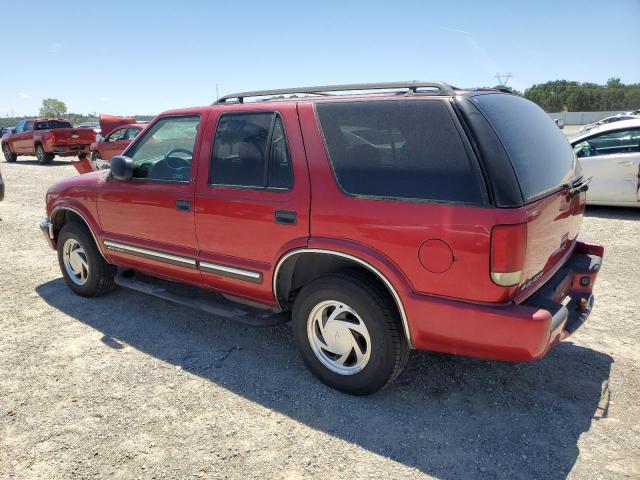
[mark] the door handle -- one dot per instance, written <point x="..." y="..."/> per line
<point x="183" y="205"/>
<point x="286" y="217"/>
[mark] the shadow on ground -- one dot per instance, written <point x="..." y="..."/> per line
<point x="55" y="163"/>
<point x="615" y="213"/>
<point x="447" y="416"/>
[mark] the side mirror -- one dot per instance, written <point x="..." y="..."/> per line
<point x="121" y="167"/>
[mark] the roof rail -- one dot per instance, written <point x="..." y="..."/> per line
<point x="413" y="86"/>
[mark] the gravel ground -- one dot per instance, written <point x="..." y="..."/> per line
<point x="128" y="386"/>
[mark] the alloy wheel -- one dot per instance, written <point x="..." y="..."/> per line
<point x="339" y="337"/>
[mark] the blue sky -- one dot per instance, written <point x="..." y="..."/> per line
<point x="134" y="57"/>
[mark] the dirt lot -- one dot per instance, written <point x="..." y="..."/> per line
<point x="128" y="386"/>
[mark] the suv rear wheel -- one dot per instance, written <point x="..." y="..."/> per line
<point x="9" y="156"/>
<point x="349" y="333"/>
<point x="43" y="157"/>
<point x="83" y="268"/>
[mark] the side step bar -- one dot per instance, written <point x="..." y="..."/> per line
<point x="207" y="302"/>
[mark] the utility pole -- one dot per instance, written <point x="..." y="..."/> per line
<point x="503" y="79"/>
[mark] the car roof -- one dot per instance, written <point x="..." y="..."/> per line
<point x="621" y="125"/>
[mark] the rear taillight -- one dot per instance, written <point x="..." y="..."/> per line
<point x="53" y="137"/>
<point x="508" y="249"/>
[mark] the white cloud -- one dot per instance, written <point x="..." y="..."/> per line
<point x="24" y="95"/>
<point x="456" y="30"/>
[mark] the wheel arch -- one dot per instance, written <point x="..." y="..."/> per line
<point x="299" y="266"/>
<point x="63" y="214"/>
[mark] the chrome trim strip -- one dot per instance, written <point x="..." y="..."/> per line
<point x="126" y="248"/>
<point x="84" y="219"/>
<point x="392" y="290"/>
<point x="226" y="270"/>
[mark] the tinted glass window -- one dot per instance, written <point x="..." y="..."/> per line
<point x="539" y="152"/>
<point x="28" y="125"/>
<point x="52" y="124"/>
<point x="612" y="143"/>
<point x="399" y="149"/>
<point x="20" y="127"/>
<point x="165" y="151"/>
<point x="250" y="150"/>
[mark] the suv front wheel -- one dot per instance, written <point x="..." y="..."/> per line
<point x="349" y="333"/>
<point x="83" y="268"/>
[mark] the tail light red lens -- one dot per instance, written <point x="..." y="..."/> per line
<point x="53" y="137"/>
<point x="508" y="249"/>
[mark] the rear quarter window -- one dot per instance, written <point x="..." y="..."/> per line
<point x="399" y="150"/>
<point x="541" y="155"/>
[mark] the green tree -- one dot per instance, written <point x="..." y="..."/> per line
<point x="52" y="107"/>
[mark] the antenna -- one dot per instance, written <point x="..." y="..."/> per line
<point x="503" y="79"/>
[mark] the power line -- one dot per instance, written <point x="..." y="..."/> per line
<point x="503" y="79"/>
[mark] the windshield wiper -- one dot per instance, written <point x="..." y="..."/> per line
<point x="581" y="187"/>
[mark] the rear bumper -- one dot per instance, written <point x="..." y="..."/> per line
<point x="70" y="150"/>
<point x="514" y="332"/>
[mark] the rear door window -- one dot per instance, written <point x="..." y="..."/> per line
<point x="541" y="156"/>
<point x="400" y="150"/>
<point x="250" y="150"/>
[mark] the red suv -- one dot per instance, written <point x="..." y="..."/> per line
<point x="377" y="219"/>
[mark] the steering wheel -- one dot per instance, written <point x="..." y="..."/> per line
<point x="177" y="163"/>
<point x="172" y="168"/>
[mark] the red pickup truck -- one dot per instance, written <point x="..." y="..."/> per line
<point x="45" y="138"/>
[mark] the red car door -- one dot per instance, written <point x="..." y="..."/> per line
<point x="148" y="221"/>
<point x="252" y="197"/>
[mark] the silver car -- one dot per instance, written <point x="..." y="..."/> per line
<point x="611" y="155"/>
<point x="615" y="118"/>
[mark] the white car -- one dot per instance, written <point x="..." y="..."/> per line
<point x="611" y="155"/>
<point x="615" y="118"/>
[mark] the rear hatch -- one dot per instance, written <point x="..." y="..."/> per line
<point x="548" y="176"/>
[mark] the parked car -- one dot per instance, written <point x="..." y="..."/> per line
<point x="426" y="217"/>
<point x="610" y="154"/>
<point x="559" y="122"/>
<point x="1" y="187"/>
<point x="113" y="144"/>
<point x="4" y="130"/>
<point x="635" y="113"/>
<point x="45" y="138"/>
<point x="605" y="121"/>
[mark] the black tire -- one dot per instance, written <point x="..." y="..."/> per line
<point x="9" y="156"/>
<point x="101" y="275"/>
<point x="43" y="157"/>
<point x="95" y="156"/>
<point x="389" y="351"/>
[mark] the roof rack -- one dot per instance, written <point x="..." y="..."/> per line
<point x="413" y="86"/>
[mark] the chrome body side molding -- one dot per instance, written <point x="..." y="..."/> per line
<point x="375" y="271"/>
<point x="232" y="272"/>
<point x="151" y="254"/>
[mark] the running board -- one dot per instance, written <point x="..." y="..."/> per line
<point x="199" y="299"/>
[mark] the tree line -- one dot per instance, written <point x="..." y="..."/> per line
<point x="564" y="95"/>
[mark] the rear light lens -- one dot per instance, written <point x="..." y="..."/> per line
<point x="53" y="137"/>
<point x="508" y="249"/>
